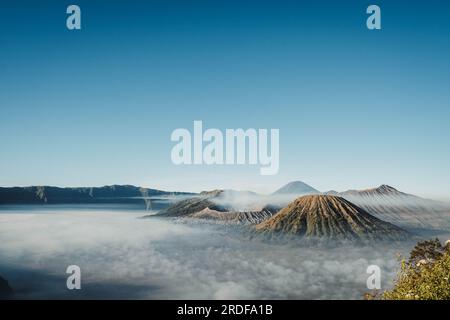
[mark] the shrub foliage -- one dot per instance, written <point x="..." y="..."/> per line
<point x="425" y="276"/>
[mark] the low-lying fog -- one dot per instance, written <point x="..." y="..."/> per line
<point x="122" y="256"/>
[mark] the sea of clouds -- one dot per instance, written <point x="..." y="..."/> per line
<point x="123" y="256"/>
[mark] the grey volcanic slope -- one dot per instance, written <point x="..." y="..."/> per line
<point x="236" y="217"/>
<point x="296" y="187"/>
<point x="53" y="195"/>
<point x="402" y="209"/>
<point x="330" y="217"/>
<point x="193" y="205"/>
<point x="215" y="206"/>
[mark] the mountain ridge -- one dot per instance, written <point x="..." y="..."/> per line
<point x="72" y="195"/>
<point x="403" y="209"/>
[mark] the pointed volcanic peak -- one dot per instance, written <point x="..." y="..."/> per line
<point x="297" y="188"/>
<point x="328" y="217"/>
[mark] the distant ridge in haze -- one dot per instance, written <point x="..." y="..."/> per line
<point x="56" y="195"/>
<point x="384" y="189"/>
<point x="296" y="187"/>
<point x="402" y="209"/>
<point x="328" y="217"/>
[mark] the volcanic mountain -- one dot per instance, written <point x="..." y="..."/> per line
<point x="297" y="188"/>
<point x="227" y="206"/>
<point x="402" y="209"/>
<point x="329" y="217"/>
<point x="195" y="204"/>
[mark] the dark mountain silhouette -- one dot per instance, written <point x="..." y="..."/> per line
<point x="297" y="188"/>
<point x="329" y="217"/>
<point x="55" y="195"/>
<point x="5" y="290"/>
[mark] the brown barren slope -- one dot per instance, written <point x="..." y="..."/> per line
<point x="326" y="216"/>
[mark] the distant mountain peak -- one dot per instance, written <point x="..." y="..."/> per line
<point x="386" y="188"/>
<point x="296" y="187"/>
<point x="331" y="193"/>
<point x="405" y="210"/>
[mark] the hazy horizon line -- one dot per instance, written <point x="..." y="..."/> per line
<point x="437" y="198"/>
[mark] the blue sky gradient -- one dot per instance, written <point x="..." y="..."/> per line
<point x="355" y="108"/>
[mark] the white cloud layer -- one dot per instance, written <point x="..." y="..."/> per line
<point x="122" y="256"/>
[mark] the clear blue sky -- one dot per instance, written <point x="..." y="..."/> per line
<point x="355" y="108"/>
